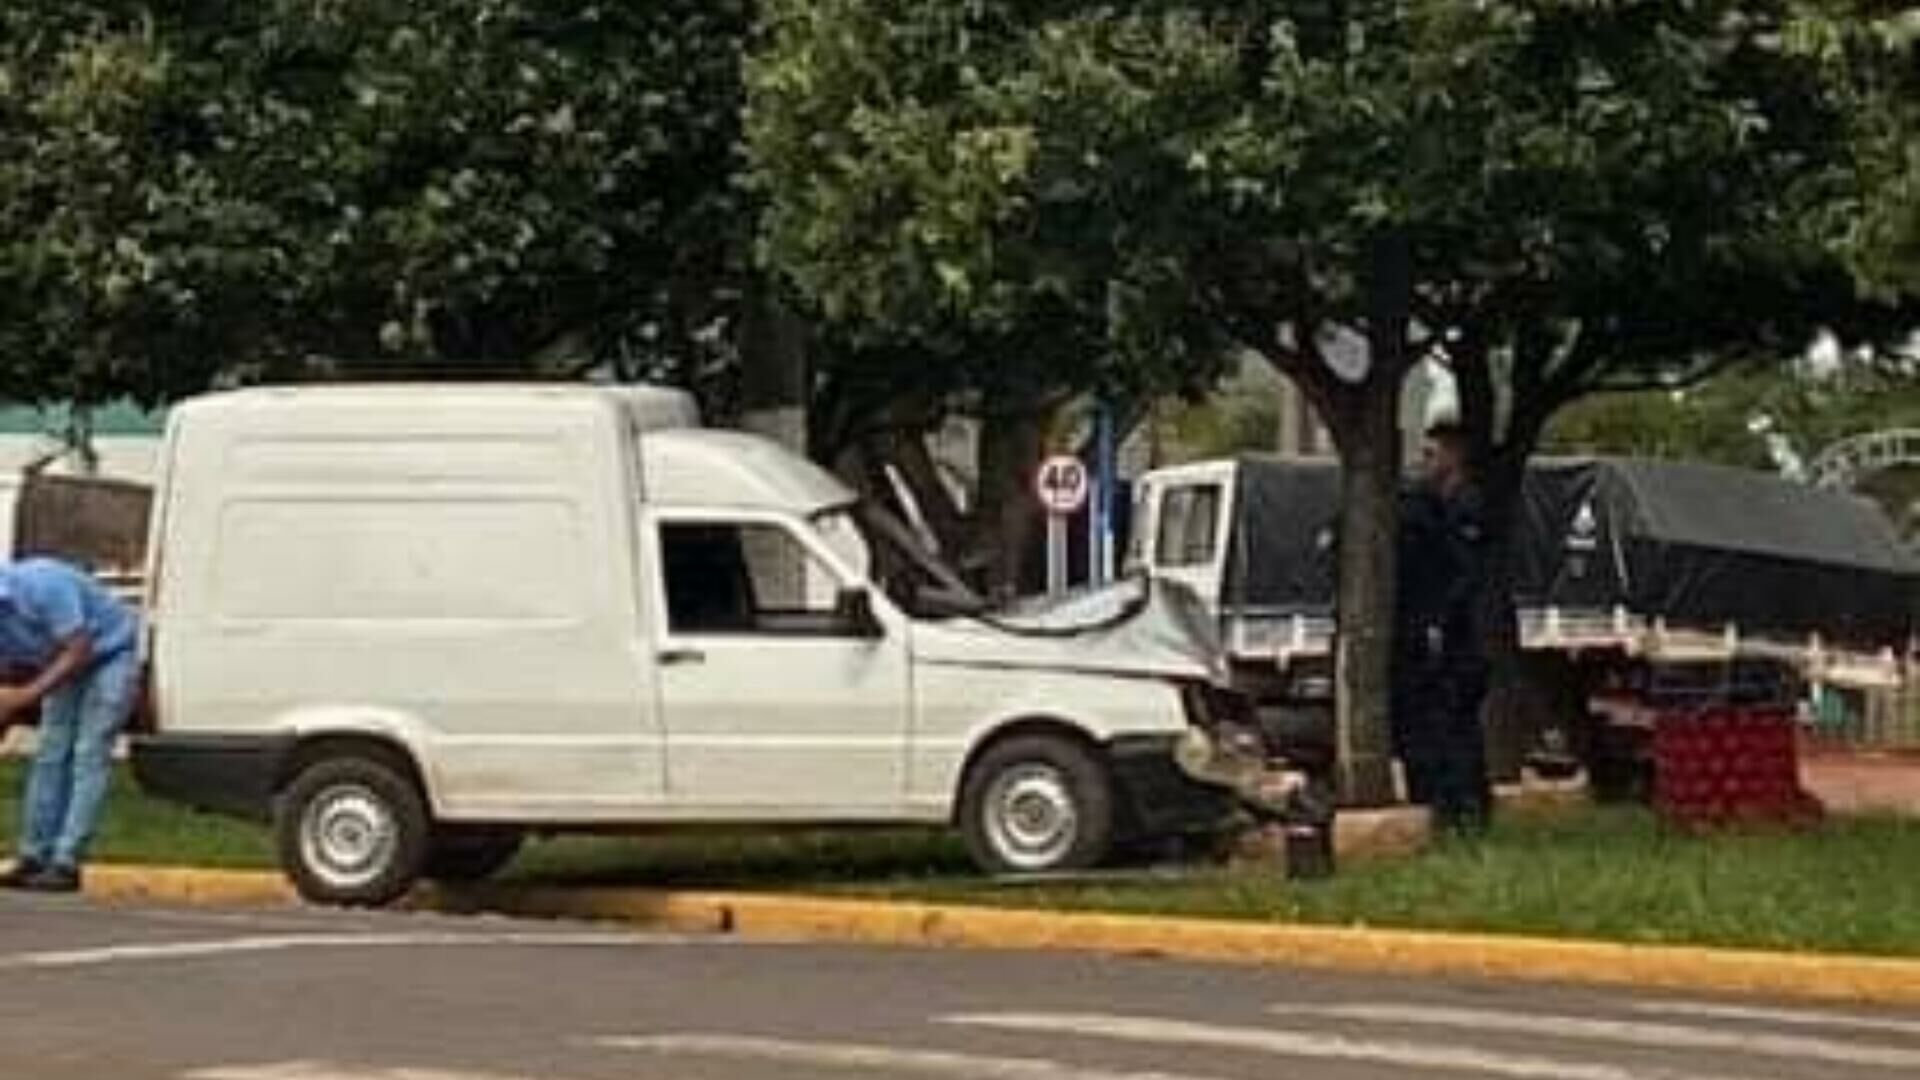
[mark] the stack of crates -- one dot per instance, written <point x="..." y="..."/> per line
<point x="1729" y="765"/>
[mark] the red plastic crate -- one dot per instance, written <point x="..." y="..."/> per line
<point x="1724" y="765"/>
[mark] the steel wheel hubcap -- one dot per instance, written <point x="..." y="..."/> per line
<point x="348" y="836"/>
<point x="1032" y="818"/>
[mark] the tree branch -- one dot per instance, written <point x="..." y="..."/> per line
<point x="1702" y="368"/>
<point x="1473" y="380"/>
<point x="1555" y="381"/>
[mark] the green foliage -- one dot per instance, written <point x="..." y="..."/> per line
<point x="1591" y="196"/>
<point x="1228" y="426"/>
<point x="79" y="286"/>
<point x="1880" y="45"/>
<point x="911" y="197"/>
<point x="455" y="183"/>
<point x="1662" y="197"/>
<point x="1708" y="423"/>
<point x="1757" y="419"/>
<point x="1242" y="416"/>
<point x="1611" y="164"/>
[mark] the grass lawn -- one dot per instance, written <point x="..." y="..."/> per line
<point x="139" y="829"/>
<point x="1609" y="873"/>
<point x="1606" y="873"/>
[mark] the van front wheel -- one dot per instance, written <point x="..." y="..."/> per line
<point x="1037" y="804"/>
<point x="351" y="831"/>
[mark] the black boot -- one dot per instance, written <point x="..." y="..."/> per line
<point x="16" y="875"/>
<point x="56" y="878"/>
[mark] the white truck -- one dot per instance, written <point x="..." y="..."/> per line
<point x="410" y="624"/>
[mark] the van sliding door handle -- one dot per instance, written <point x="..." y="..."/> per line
<point x="670" y="657"/>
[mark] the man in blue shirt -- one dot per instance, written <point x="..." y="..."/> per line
<point x="81" y="644"/>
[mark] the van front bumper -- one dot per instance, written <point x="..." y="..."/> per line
<point x="1156" y="797"/>
<point x="225" y="774"/>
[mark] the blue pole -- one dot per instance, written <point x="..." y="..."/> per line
<point x="1100" y="511"/>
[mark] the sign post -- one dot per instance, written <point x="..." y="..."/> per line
<point x="1100" y="568"/>
<point x="1062" y="486"/>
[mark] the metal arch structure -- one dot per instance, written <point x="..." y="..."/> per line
<point x="1844" y="463"/>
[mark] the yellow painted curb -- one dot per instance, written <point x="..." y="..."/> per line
<point x="1829" y="977"/>
<point x="186" y="885"/>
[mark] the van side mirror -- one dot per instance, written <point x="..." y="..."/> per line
<point x="853" y="613"/>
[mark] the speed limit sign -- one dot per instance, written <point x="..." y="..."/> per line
<point x="1062" y="484"/>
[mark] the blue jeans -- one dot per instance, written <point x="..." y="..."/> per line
<point x="74" y="762"/>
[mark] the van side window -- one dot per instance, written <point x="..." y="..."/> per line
<point x="745" y="578"/>
<point x="1189" y="520"/>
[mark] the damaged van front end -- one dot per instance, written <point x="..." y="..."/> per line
<point x="1135" y="670"/>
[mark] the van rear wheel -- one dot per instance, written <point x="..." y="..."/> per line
<point x="1037" y="804"/>
<point x="351" y="831"/>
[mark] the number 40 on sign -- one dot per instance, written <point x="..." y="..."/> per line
<point x="1062" y="484"/>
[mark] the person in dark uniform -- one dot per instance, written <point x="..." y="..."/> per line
<point x="1439" y="663"/>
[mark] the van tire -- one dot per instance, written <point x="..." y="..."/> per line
<point x="351" y="831"/>
<point x="1036" y="804"/>
<point x="470" y="854"/>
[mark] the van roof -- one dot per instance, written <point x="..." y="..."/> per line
<point x="705" y="467"/>
<point x="651" y="406"/>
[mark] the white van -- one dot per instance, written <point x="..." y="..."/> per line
<point x="408" y="624"/>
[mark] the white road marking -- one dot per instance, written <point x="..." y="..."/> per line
<point x="1787" y="1017"/>
<point x="257" y="921"/>
<point x="190" y="950"/>
<point x="321" y="1070"/>
<point x="843" y="1055"/>
<point x="1631" y="1033"/>
<point x="1422" y="1057"/>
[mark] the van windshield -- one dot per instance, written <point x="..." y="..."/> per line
<point x="894" y="558"/>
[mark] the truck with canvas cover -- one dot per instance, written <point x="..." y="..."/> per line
<point x="1636" y="583"/>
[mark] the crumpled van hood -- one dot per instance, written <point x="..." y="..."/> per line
<point x="1142" y="627"/>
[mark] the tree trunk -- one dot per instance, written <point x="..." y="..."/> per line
<point x="1507" y="723"/>
<point x="1366" y="430"/>
<point x="773" y="371"/>
<point x="906" y="450"/>
<point x="773" y="402"/>
<point x="861" y="448"/>
<point x="1006" y="516"/>
<point x="1363" y="647"/>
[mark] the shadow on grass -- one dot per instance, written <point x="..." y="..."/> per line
<point x="733" y="858"/>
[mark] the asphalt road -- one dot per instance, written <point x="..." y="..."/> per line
<point x="130" y="994"/>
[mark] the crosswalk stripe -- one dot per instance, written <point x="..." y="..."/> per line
<point x="846" y="1055"/>
<point x="1423" y="1057"/>
<point x="1788" y="1017"/>
<point x="1630" y="1032"/>
<point x="321" y="1070"/>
